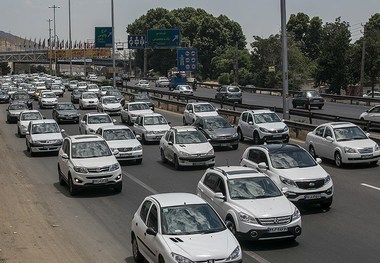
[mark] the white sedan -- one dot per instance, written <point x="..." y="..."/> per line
<point x="47" y="99"/>
<point x="186" y="146"/>
<point x="92" y="121"/>
<point x="181" y="227"/>
<point x="151" y="127"/>
<point x="23" y="121"/>
<point x="88" y="99"/>
<point x="342" y="142"/>
<point x="197" y="109"/>
<point x="142" y="83"/>
<point x="110" y="105"/>
<point x="131" y="110"/>
<point x="373" y="114"/>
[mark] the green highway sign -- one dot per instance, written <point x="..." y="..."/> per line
<point x="163" y="38"/>
<point x="103" y="37"/>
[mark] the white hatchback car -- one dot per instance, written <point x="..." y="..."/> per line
<point x="110" y="105"/>
<point x="24" y="118"/>
<point x="92" y="121"/>
<point x="132" y="110"/>
<point x="197" y="109"/>
<point x="122" y="139"/>
<point x="293" y="170"/>
<point x="43" y="136"/>
<point x="186" y="146"/>
<point x="87" y="100"/>
<point x="47" y="99"/>
<point x="181" y="227"/>
<point x="251" y="205"/>
<point x="142" y="83"/>
<point x="343" y="142"/>
<point x="86" y="161"/>
<point x="151" y="127"/>
<point x="373" y="114"/>
<point x="262" y="126"/>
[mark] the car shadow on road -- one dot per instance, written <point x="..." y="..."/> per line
<point x="85" y="193"/>
<point x="265" y="245"/>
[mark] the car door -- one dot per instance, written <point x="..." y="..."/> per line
<point x="140" y="226"/>
<point x="170" y="146"/>
<point x="327" y="147"/>
<point x="83" y="125"/>
<point x="153" y="247"/>
<point x="374" y="114"/>
<point x="249" y="126"/>
<point x="316" y="139"/>
<point x="124" y="112"/>
<point x="138" y="126"/>
<point x="64" y="162"/>
<point x="188" y="113"/>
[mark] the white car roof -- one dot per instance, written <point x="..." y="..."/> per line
<point x="184" y="128"/>
<point x="340" y="124"/>
<point x="42" y="121"/>
<point x="116" y="127"/>
<point x="232" y="172"/>
<point x="175" y="199"/>
<point x="85" y="138"/>
<point x="96" y="114"/>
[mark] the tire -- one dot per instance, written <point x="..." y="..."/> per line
<point x="231" y="225"/>
<point x="143" y="141"/>
<point x="122" y="118"/>
<point x="60" y="177"/>
<point x="326" y="205"/>
<point x="129" y="121"/>
<point x="135" y="250"/>
<point x="118" y="187"/>
<point x="161" y="259"/>
<point x="256" y="139"/>
<point x="176" y="163"/>
<point x="338" y="159"/>
<point x="184" y="121"/>
<point x="312" y="152"/>
<point x="163" y="158"/>
<point x="241" y="137"/>
<point x="27" y="147"/>
<point x="235" y="147"/>
<point x="373" y="163"/>
<point x="19" y="132"/>
<point x="72" y="189"/>
<point x="139" y="161"/>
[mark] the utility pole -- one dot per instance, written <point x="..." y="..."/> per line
<point x="362" y="65"/>
<point x="113" y="46"/>
<point x="70" y="48"/>
<point x="236" y="79"/>
<point x="49" y="45"/>
<point x="284" y="44"/>
<point x="55" y="41"/>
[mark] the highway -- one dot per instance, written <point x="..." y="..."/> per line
<point x="99" y="221"/>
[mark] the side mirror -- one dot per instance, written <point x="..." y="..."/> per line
<point x="151" y="232"/>
<point x="65" y="156"/>
<point x="367" y="134"/>
<point x="138" y="137"/>
<point x="191" y="111"/>
<point x="220" y="196"/>
<point x="329" y="138"/>
<point x="82" y="122"/>
<point x="43" y="117"/>
<point x="250" y="123"/>
<point x="262" y="166"/>
<point x="62" y="130"/>
<point x="284" y="190"/>
<point x="7" y="109"/>
<point x="113" y="120"/>
<point x="115" y="152"/>
<point x="170" y="143"/>
<point x="318" y="160"/>
<point x="27" y="132"/>
<point x="169" y="122"/>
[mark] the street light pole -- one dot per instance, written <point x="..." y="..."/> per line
<point x="113" y="46"/>
<point x="55" y="36"/>
<point x="49" y="45"/>
<point x="284" y="44"/>
<point x="70" y="49"/>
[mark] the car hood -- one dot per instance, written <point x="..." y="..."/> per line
<point x="357" y="143"/>
<point x="164" y="127"/>
<point x="24" y="123"/>
<point x="272" y="125"/>
<point x="90" y="99"/>
<point x="306" y="173"/>
<point x="207" y="113"/>
<point x="140" y="112"/>
<point x="46" y="136"/>
<point x="123" y="143"/>
<point x="194" y="148"/>
<point x="266" y="207"/>
<point x="96" y="126"/>
<point x="15" y="112"/>
<point x="112" y="105"/>
<point x="222" y="131"/>
<point x="202" y="247"/>
<point x="95" y="162"/>
<point x="49" y="99"/>
<point x="67" y="112"/>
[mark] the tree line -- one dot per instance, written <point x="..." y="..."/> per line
<point x="319" y="51"/>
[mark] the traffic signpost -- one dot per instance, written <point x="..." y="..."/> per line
<point x="163" y="38"/>
<point x="136" y="41"/>
<point x="103" y="37"/>
<point x="187" y="59"/>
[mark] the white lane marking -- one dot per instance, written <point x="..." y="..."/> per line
<point x="370" y="186"/>
<point x="150" y="189"/>
<point x="256" y="257"/>
<point x="147" y="187"/>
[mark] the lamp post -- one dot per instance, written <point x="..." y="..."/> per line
<point x="284" y="45"/>
<point x="113" y="46"/>
<point x="70" y="49"/>
<point x="49" y="45"/>
<point x="55" y="36"/>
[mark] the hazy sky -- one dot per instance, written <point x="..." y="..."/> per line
<point x="28" y="18"/>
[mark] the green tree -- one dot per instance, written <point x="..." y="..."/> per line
<point x="372" y="49"/>
<point x="4" y="68"/>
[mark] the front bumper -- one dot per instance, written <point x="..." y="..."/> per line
<point x="224" y="143"/>
<point x="207" y="160"/>
<point x="129" y="155"/>
<point x="275" y="137"/>
<point x="360" y="158"/>
<point x="97" y="180"/>
<point x="61" y="118"/>
<point x="153" y="137"/>
<point x="311" y="197"/>
<point x="264" y="233"/>
<point x="40" y="148"/>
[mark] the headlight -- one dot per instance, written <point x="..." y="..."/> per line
<point x="114" y="167"/>
<point x="235" y="135"/>
<point x="327" y="179"/>
<point x="213" y="136"/>
<point x="235" y="254"/>
<point x="247" y="218"/>
<point x="287" y="181"/>
<point x="184" y="153"/>
<point x="296" y="214"/>
<point x="180" y="259"/>
<point x="79" y="169"/>
<point x="349" y="150"/>
<point x="377" y="147"/>
<point x="263" y="129"/>
<point x="286" y="128"/>
<point x="149" y="132"/>
<point x="136" y="148"/>
<point x="211" y="152"/>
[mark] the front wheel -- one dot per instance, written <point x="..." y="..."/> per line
<point x="163" y="158"/>
<point x="312" y="152"/>
<point x="231" y="226"/>
<point x="72" y="189"/>
<point x="135" y="250"/>
<point x="338" y="159"/>
<point x="241" y="137"/>
<point x="256" y="138"/>
<point x="176" y="162"/>
<point x="184" y="121"/>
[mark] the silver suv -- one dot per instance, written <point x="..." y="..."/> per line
<point x="262" y="126"/>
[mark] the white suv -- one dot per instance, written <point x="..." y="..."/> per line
<point x="262" y="126"/>
<point x="250" y="203"/>
<point x="86" y="161"/>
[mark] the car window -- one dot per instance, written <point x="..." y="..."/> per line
<point x="291" y="159"/>
<point x="266" y="117"/>
<point x="249" y="118"/>
<point x="244" y="116"/>
<point x="154" y="120"/>
<point x="31" y="116"/>
<point x="99" y="119"/>
<point x="65" y="107"/>
<point x="41" y="128"/>
<point x="319" y="131"/>
<point x="328" y="132"/>
<point x="349" y="133"/>
<point x="90" y="149"/>
<point x="144" y="210"/>
<point x="171" y="137"/>
<point x="190" y="219"/>
<point x="190" y="137"/>
<point x="118" y="134"/>
<point x="141" y="106"/>
<point x="220" y="187"/>
<point x="252" y="188"/>
<point x="257" y="156"/>
<point x="152" y="221"/>
<point x="210" y="181"/>
<point x="203" y="108"/>
<point x="216" y="123"/>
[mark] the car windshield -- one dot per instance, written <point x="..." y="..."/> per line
<point x="93" y="86"/>
<point x="155" y="120"/>
<point x="142" y="97"/>
<point x="48" y="95"/>
<point x="266" y="117"/>
<point x="252" y="188"/>
<point x="65" y="107"/>
<point x="40" y="128"/>
<point x="233" y="89"/>
<point x="89" y="96"/>
<point x="118" y="134"/>
<point x="90" y="149"/>
<point x="291" y="159"/>
<point x="76" y="92"/>
<point x="190" y="219"/>
<point x="144" y="82"/>
<point x="110" y="100"/>
<point x="113" y="93"/>
<point x="313" y="94"/>
<point x="216" y="123"/>
<point x="17" y="107"/>
<point x="55" y="87"/>
<point x="99" y="119"/>
<point x="28" y="116"/>
<point x="190" y="137"/>
<point x="203" y="108"/>
<point x="20" y="96"/>
<point x="349" y="134"/>
<point x="141" y="106"/>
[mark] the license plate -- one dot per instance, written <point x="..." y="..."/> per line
<point x="125" y="154"/>
<point x="195" y="164"/>
<point x="277" y="136"/>
<point x="224" y="144"/>
<point x="277" y="229"/>
<point x="99" y="181"/>
<point x="365" y="156"/>
<point x="312" y="196"/>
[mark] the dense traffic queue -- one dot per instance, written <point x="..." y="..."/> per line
<point x="257" y="200"/>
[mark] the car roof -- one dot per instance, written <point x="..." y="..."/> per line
<point x="42" y="121"/>
<point x="340" y="124"/>
<point x="260" y="111"/>
<point x="116" y="127"/>
<point x="65" y="102"/>
<point x="176" y="199"/>
<point x="184" y="128"/>
<point x="151" y="114"/>
<point x="199" y="103"/>
<point x="275" y="147"/>
<point x="30" y="111"/>
<point x="233" y="172"/>
<point x="96" y="114"/>
<point x="136" y="102"/>
<point x="85" y="138"/>
<point x="107" y="97"/>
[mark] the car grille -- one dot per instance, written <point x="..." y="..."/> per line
<point x="128" y="149"/>
<point x="277" y="131"/>
<point x="310" y="184"/>
<point x="98" y="169"/>
<point x="365" y="150"/>
<point x="282" y="220"/>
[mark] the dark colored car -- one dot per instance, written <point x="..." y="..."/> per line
<point x="118" y="81"/>
<point x="143" y="97"/>
<point x="229" y="94"/>
<point x="218" y="130"/>
<point x="22" y="97"/>
<point x="75" y="95"/>
<point x="65" y="112"/>
<point x="4" y="96"/>
<point x="117" y="94"/>
<point x="308" y="98"/>
<point x="126" y="77"/>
